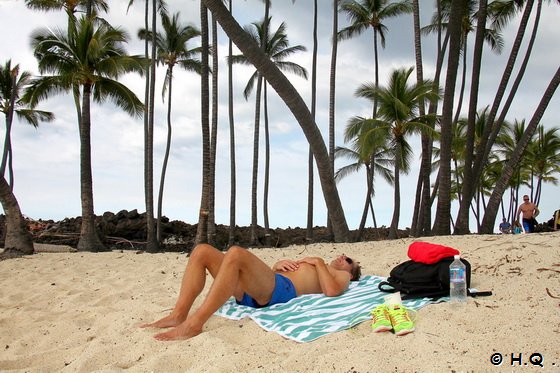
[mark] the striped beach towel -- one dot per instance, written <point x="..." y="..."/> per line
<point x="310" y="316"/>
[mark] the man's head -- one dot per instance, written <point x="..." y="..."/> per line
<point x="345" y="263"/>
<point x="526" y="198"/>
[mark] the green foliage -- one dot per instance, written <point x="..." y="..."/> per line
<point x="172" y="46"/>
<point x="22" y="109"/>
<point x="277" y="47"/>
<point x="88" y="55"/>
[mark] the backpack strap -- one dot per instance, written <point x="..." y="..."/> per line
<point x="388" y="287"/>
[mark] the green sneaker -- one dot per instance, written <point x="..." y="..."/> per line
<point x="381" y="321"/>
<point x="402" y="324"/>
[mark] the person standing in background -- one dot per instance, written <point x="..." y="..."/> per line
<point x="529" y="211"/>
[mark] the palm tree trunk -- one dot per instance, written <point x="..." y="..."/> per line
<point x="231" y="239"/>
<point x="165" y="157"/>
<point x="376" y="59"/>
<point x="310" y="204"/>
<point x="254" y="179"/>
<point x="152" y="245"/>
<point x="369" y="183"/>
<point x="522" y="68"/>
<point x="492" y="128"/>
<point x="146" y="111"/>
<point x="214" y="138"/>
<point x="424" y="225"/>
<point x="310" y="164"/>
<point x="443" y="213"/>
<point x="462" y="223"/>
<point x="415" y="227"/>
<point x="18" y="240"/>
<point x="393" y="233"/>
<point x="266" y="169"/>
<point x="202" y="228"/>
<point x="493" y="204"/>
<point x="463" y="82"/>
<point x="9" y="119"/>
<point x="297" y="106"/>
<point x="89" y="240"/>
<point x="332" y="100"/>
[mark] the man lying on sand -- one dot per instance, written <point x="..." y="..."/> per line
<point x="241" y="274"/>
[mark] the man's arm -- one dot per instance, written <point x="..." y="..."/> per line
<point x="332" y="284"/>
<point x="286" y="265"/>
<point x="536" y="211"/>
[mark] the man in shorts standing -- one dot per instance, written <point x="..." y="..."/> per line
<point x="529" y="211"/>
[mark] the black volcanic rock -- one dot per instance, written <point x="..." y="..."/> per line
<point x="127" y="230"/>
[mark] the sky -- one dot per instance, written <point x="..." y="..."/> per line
<point x="46" y="160"/>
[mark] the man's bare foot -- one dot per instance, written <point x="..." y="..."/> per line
<point x="182" y="331"/>
<point x="166" y="322"/>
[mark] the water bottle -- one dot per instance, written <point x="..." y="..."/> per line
<point x="457" y="281"/>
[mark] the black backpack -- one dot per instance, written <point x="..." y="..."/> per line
<point x="419" y="280"/>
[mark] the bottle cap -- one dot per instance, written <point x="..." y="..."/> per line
<point x="457" y="256"/>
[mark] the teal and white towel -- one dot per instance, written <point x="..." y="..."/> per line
<point x="308" y="317"/>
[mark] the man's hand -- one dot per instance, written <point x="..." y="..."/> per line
<point x="285" y="266"/>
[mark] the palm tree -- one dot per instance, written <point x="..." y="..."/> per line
<point x="332" y="97"/>
<point x="151" y="234"/>
<point x="494" y="202"/>
<point x="462" y="225"/>
<point x="543" y="156"/>
<point x="458" y="157"/>
<point x="86" y="61"/>
<point x="172" y="50"/>
<point x="506" y="143"/>
<point x="11" y="87"/>
<point x="443" y="212"/>
<point x="297" y="106"/>
<point x="425" y="196"/>
<point x="309" y="230"/>
<point x="278" y="49"/>
<point x="213" y="136"/>
<point x="202" y="227"/>
<point x="506" y="10"/>
<point x="422" y="110"/>
<point x="152" y="244"/>
<point x="71" y="7"/>
<point x="18" y="240"/>
<point x="369" y="149"/>
<point x="233" y="181"/>
<point x="490" y="35"/>
<point x="364" y="14"/>
<point x="398" y="116"/>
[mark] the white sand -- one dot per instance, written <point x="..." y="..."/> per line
<point x="78" y="312"/>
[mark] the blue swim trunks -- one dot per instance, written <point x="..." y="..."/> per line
<point x="284" y="290"/>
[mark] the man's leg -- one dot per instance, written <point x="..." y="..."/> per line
<point x="531" y="225"/>
<point x="203" y="257"/>
<point x="240" y="271"/>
